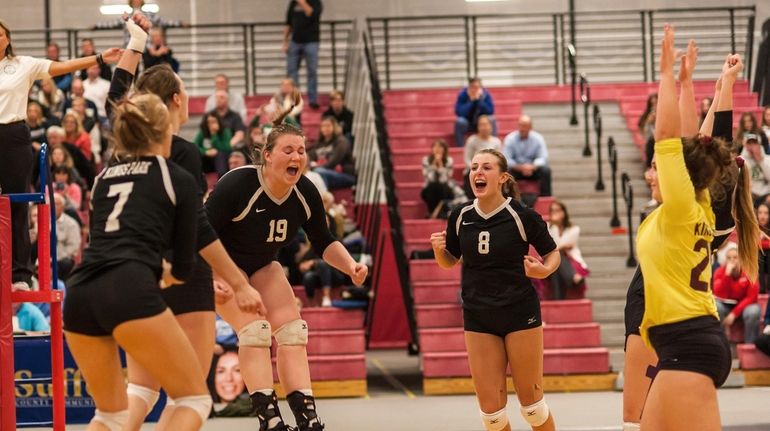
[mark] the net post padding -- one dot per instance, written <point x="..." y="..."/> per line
<point x="7" y="386"/>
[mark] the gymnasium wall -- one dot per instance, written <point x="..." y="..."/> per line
<point x="28" y="14"/>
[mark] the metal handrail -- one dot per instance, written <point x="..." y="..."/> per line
<point x="585" y="99"/>
<point x="628" y="196"/>
<point x="613" y="159"/>
<point x="599" y="186"/>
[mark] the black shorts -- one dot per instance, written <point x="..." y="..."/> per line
<point x="504" y="320"/>
<point x="698" y="345"/>
<point x="121" y="293"/>
<point x="634" y="311"/>
<point x="196" y="294"/>
<point x="251" y="263"/>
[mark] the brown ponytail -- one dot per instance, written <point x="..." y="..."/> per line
<point x="139" y="123"/>
<point x="746" y="223"/>
<point x="279" y="129"/>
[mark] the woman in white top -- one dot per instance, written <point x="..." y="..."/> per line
<point x="17" y="73"/>
<point x="481" y="140"/>
<point x="573" y="269"/>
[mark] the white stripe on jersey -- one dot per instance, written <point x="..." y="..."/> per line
<point x="518" y="223"/>
<point x="304" y="202"/>
<point x="246" y="210"/>
<point x="494" y="212"/>
<point x="460" y="218"/>
<point x="166" y="179"/>
<point x="242" y="167"/>
<point x="96" y="180"/>
<point x="724" y="231"/>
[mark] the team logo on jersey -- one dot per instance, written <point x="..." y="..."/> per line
<point x="9" y="69"/>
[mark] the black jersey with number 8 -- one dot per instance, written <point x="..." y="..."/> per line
<point x="492" y="247"/>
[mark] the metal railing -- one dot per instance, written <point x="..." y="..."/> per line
<point x="628" y="197"/>
<point x="249" y="53"/>
<point x="533" y="48"/>
<point x="375" y="187"/>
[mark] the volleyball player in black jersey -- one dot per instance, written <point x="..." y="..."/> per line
<point x="193" y="301"/>
<point x="640" y="361"/>
<point x="142" y="205"/>
<point x="256" y="210"/>
<point x="491" y="236"/>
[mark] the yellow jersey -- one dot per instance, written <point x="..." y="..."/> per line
<point x="673" y="244"/>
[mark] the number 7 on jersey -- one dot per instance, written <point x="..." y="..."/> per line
<point x="122" y="191"/>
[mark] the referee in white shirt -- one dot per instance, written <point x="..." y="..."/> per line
<point x="17" y="73"/>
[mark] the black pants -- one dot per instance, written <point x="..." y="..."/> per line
<point x="542" y="174"/>
<point x="434" y="193"/>
<point x="16" y="161"/>
<point x="563" y="278"/>
<point x="322" y="275"/>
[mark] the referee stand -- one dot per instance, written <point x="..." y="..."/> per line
<point x="47" y="277"/>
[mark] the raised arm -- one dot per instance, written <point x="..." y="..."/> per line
<point x="707" y="128"/>
<point x="687" y="113"/>
<point x="58" y="68"/>
<point x="667" y="121"/>
<point x="732" y="67"/>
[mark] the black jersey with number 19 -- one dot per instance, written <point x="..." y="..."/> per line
<point x="253" y="224"/>
<point x="141" y="208"/>
<point x="492" y="247"/>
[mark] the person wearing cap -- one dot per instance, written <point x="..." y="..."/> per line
<point x="759" y="167"/>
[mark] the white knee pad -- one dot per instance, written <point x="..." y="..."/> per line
<point x="293" y="333"/>
<point x="113" y="421"/>
<point x="147" y="395"/>
<point x="495" y="421"/>
<point x="256" y="334"/>
<point x="201" y="404"/>
<point x="631" y="426"/>
<point x="536" y="414"/>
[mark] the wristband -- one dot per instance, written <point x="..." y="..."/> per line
<point x="99" y="59"/>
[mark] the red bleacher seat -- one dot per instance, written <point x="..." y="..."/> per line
<point x="555" y="336"/>
<point x="752" y="359"/>
<point x="555" y="361"/>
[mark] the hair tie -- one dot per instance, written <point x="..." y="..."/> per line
<point x="705" y="140"/>
<point x="739" y="161"/>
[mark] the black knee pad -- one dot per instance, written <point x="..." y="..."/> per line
<point x="303" y="407"/>
<point x="266" y="409"/>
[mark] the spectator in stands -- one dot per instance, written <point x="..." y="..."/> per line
<point x="137" y="6"/>
<point x="87" y="48"/>
<point x="51" y="98"/>
<point x="90" y="126"/>
<point x="67" y="238"/>
<point x="317" y="274"/>
<point x="95" y="88"/>
<point x="705" y="104"/>
<point x="237" y="159"/>
<point x="748" y="125"/>
<point x="213" y="141"/>
<point x="332" y="156"/>
<point x="64" y="184"/>
<point x="230" y="119"/>
<point x="301" y="38"/>
<point x="766" y="121"/>
<point x="736" y="296"/>
<point x="282" y="101"/>
<point x="158" y="52"/>
<point x="63" y="82"/>
<point x="759" y="166"/>
<point x="528" y="156"/>
<point x="78" y="90"/>
<point x="439" y="190"/>
<point x="76" y="135"/>
<point x="235" y="98"/>
<point x="316" y="179"/>
<point x="58" y="153"/>
<point x="27" y="317"/>
<point x="341" y="113"/>
<point x="482" y="139"/>
<point x="573" y="269"/>
<point x="472" y="102"/>
<point x="255" y="139"/>
<point x="37" y="124"/>
<point x="646" y="125"/>
<point x="763" y="220"/>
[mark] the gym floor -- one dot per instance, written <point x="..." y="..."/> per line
<point x="395" y="402"/>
